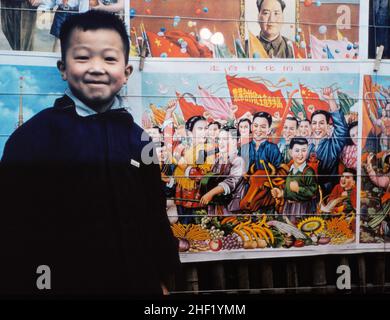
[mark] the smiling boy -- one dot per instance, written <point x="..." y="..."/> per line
<point x="86" y="212"/>
<point x="300" y="191"/>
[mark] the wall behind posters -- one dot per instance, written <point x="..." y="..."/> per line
<point x="329" y="195"/>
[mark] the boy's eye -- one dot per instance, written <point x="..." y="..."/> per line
<point x="110" y="59"/>
<point x="82" y="57"/>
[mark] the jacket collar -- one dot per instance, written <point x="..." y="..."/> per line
<point x="66" y="102"/>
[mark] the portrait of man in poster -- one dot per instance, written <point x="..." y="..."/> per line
<point x="270" y="27"/>
<point x="271" y="20"/>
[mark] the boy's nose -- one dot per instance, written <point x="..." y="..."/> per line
<point x="96" y="66"/>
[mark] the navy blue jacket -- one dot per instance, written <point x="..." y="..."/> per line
<point x="73" y="201"/>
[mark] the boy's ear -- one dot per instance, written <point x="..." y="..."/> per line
<point x="128" y="71"/>
<point x="61" y="68"/>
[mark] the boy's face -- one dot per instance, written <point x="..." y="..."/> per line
<point x="95" y="67"/>
<point x="299" y="153"/>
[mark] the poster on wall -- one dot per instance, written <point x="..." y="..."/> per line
<point x="198" y="29"/>
<point x="379" y="21"/>
<point x="263" y="29"/>
<point x="375" y="161"/>
<point x="303" y="29"/>
<point x="27" y="85"/>
<point x="28" y="25"/>
<point x="256" y="155"/>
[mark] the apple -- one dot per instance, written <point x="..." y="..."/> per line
<point x="215" y="245"/>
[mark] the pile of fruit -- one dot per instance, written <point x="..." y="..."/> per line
<point x="228" y="233"/>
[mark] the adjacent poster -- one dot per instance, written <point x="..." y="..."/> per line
<point x="201" y="29"/>
<point x="375" y="163"/>
<point x="291" y="29"/>
<point x="27" y="86"/>
<point x="29" y="25"/>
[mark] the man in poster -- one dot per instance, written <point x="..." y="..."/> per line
<point x="271" y="20"/>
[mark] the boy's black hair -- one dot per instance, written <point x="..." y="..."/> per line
<point x="263" y="114"/>
<point x="259" y="3"/>
<point x="233" y="131"/>
<point x="190" y="123"/>
<point x="293" y="119"/>
<point x="297" y="140"/>
<point x="215" y="122"/>
<point x="325" y="113"/>
<point x="94" y="20"/>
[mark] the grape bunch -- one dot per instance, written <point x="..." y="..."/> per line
<point x="216" y="233"/>
<point x="232" y="241"/>
<point x="204" y="222"/>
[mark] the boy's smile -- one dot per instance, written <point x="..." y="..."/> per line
<point x="299" y="154"/>
<point x="95" y="67"/>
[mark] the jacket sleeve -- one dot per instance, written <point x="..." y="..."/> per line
<point x="339" y="139"/>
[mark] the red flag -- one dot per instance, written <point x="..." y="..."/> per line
<point x="250" y="96"/>
<point x="160" y="46"/>
<point x="311" y="100"/>
<point x="194" y="48"/>
<point x="189" y="109"/>
<point x="299" y="53"/>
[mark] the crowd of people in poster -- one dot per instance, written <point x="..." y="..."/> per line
<point x="291" y="161"/>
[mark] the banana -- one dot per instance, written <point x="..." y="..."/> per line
<point x="263" y="234"/>
<point x="270" y="234"/>
<point x="240" y="235"/>
<point x="263" y="219"/>
<point x="247" y="233"/>
<point x="251" y="232"/>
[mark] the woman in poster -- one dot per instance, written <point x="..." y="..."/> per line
<point x="244" y="131"/>
<point x="228" y="169"/>
<point x="196" y="159"/>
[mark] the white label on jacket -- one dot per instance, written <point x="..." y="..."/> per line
<point x="134" y="163"/>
